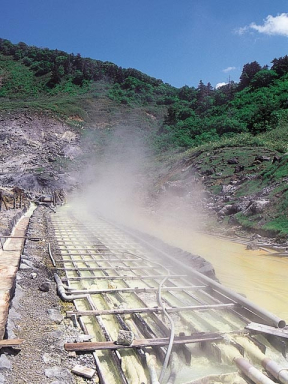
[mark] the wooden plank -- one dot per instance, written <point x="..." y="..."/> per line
<point x="81" y="370"/>
<point x="11" y="342"/>
<point x="147" y="310"/>
<point x="261" y="328"/>
<point x="142" y="343"/>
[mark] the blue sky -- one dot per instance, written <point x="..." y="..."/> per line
<point x="179" y="41"/>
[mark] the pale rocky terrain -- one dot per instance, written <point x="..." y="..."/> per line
<point x="34" y="147"/>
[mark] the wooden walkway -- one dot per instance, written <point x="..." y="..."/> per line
<point x="9" y="262"/>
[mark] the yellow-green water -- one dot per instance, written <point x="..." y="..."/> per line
<point x="262" y="278"/>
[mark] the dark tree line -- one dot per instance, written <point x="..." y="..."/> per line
<point x="58" y="64"/>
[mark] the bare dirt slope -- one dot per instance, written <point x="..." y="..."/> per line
<point x="34" y="148"/>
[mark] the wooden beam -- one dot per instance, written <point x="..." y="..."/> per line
<point x="11" y="343"/>
<point x="261" y="328"/>
<point x="147" y="310"/>
<point x="142" y="343"/>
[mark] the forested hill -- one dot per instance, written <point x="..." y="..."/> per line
<point x="257" y="104"/>
<point x="225" y="137"/>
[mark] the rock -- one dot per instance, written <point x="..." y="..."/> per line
<point x="33" y="275"/>
<point x="239" y="168"/>
<point x="51" y="358"/>
<point x="125" y="337"/>
<point x="234" y="160"/>
<point x="82" y="338"/>
<point x="226" y="188"/>
<point x="262" y="158"/>
<point x="256" y="207"/>
<point x="29" y="263"/>
<point x="5" y="363"/>
<point x="55" y="315"/>
<point x="208" y="172"/>
<point x="58" y="372"/>
<point x="56" y="335"/>
<point x="276" y="159"/>
<point x="252" y="246"/>
<point x="229" y="209"/>
<point x="24" y="267"/>
<point x="2" y="379"/>
<point x="45" y="287"/>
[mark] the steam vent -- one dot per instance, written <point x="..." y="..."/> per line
<point x="94" y="301"/>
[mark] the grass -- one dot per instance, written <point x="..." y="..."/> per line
<point x="279" y="225"/>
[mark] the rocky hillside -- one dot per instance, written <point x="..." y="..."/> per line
<point x="244" y="186"/>
<point x="34" y="147"/>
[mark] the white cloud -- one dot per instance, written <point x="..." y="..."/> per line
<point x="220" y="85"/>
<point x="277" y="25"/>
<point x="229" y="69"/>
<point x="242" y="30"/>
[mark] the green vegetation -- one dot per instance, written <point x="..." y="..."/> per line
<point x="194" y="116"/>
<point x="237" y="119"/>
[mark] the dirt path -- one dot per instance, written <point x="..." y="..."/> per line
<point x="36" y="315"/>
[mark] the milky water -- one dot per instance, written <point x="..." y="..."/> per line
<point x="261" y="277"/>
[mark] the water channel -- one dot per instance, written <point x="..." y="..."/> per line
<point x="262" y="278"/>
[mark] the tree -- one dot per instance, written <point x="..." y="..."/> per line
<point x="263" y="78"/>
<point x="248" y="72"/>
<point x="280" y="66"/>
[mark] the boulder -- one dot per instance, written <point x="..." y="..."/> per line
<point x="276" y="159"/>
<point x="262" y="158"/>
<point x="233" y="160"/>
<point x="208" y="172"/>
<point x="229" y="209"/>
<point x="239" y="168"/>
<point x="252" y="246"/>
<point x="55" y="315"/>
<point x="256" y="207"/>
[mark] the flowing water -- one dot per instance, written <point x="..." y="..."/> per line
<point x="262" y="278"/>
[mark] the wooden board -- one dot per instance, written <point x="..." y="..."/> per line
<point x="80" y="370"/>
<point x="261" y="328"/>
<point x="11" y="343"/>
<point x="9" y="262"/>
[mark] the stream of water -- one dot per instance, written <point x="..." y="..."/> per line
<point x="262" y="278"/>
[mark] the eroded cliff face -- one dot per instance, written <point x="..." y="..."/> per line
<point x="34" y="148"/>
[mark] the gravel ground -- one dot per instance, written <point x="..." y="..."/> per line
<point x="36" y="316"/>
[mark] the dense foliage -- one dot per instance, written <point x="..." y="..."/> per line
<point x="194" y="115"/>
